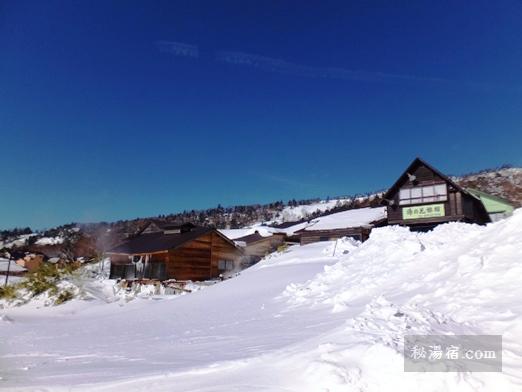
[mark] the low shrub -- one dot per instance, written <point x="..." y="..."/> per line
<point x="282" y="248"/>
<point x="8" y="292"/>
<point x="64" y="296"/>
<point x="46" y="278"/>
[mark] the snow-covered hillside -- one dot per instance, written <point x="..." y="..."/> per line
<point x="321" y="317"/>
<point x="295" y="213"/>
<point x="505" y="183"/>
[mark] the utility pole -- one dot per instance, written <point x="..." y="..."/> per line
<point x="335" y="247"/>
<point x="7" y="273"/>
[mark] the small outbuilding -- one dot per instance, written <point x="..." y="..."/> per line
<point x="181" y="252"/>
<point x="423" y="197"/>
<point x="355" y="223"/>
<point x="256" y="245"/>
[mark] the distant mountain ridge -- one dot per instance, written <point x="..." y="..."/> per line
<point x="505" y="182"/>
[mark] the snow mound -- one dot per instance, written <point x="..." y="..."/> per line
<point x="456" y="279"/>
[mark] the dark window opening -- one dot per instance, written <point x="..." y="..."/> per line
<point x="225" y="265"/>
<point x="153" y="270"/>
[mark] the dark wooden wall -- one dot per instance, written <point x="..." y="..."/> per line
<point x="223" y="250"/>
<point x="199" y="259"/>
<point x="311" y="236"/>
<point x="266" y="245"/>
<point x="192" y="260"/>
<point x="458" y="206"/>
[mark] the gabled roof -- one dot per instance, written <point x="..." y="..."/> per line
<point x="150" y="226"/>
<point x="160" y="242"/>
<point x="254" y="237"/>
<point x="156" y="227"/>
<point x="478" y="192"/>
<point x="184" y="226"/>
<point x="417" y="162"/>
<point x="491" y="202"/>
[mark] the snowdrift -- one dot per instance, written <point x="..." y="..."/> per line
<point x="321" y="317"/>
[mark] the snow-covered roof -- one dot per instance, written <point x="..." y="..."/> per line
<point x="351" y="218"/>
<point x="233" y="234"/>
<point x="4" y="264"/>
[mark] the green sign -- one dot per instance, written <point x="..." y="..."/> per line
<point x="425" y="211"/>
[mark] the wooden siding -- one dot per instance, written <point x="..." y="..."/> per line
<point x="223" y="250"/>
<point x="199" y="259"/>
<point x="191" y="261"/>
<point x="311" y="236"/>
<point x="459" y="206"/>
<point x="195" y="260"/>
<point x="266" y="245"/>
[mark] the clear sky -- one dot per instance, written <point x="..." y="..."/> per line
<point x="120" y="109"/>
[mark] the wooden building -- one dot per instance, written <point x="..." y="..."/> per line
<point x="185" y="252"/>
<point x="256" y="246"/>
<point x="31" y="261"/>
<point x="423" y="197"/>
<point x="311" y="236"/>
<point x="356" y="223"/>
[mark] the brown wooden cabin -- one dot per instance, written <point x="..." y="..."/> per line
<point x="257" y="246"/>
<point x="311" y="236"/>
<point x="423" y="197"/>
<point x="184" y="252"/>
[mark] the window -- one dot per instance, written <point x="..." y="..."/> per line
<point x="423" y="194"/>
<point x="158" y="270"/>
<point x="225" y="265"/>
<point x="324" y="238"/>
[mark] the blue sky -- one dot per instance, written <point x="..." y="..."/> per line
<point x="112" y="110"/>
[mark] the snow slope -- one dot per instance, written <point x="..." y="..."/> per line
<point x="303" y="320"/>
<point x="292" y="214"/>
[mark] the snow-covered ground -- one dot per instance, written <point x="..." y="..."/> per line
<point x="321" y="317"/>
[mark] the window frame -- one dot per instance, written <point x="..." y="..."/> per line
<point x="228" y="264"/>
<point x="435" y="196"/>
